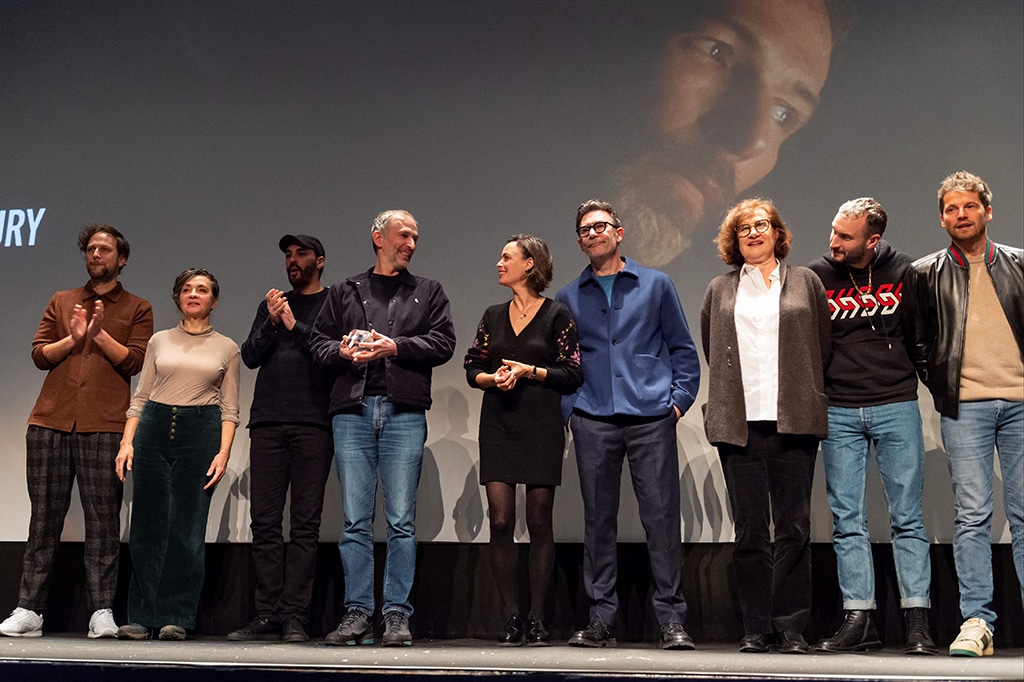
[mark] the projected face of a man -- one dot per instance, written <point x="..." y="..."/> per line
<point x="733" y="87"/>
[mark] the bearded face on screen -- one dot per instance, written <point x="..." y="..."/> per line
<point x="731" y="88"/>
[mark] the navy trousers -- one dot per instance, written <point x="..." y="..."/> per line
<point x="650" y="445"/>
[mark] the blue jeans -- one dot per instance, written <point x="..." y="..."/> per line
<point x="970" y="440"/>
<point x="380" y="440"/>
<point x="895" y="432"/>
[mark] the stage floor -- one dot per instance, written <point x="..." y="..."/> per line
<point x="476" y="657"/>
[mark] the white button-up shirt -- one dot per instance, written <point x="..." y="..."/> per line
<point x="757" y="333"/>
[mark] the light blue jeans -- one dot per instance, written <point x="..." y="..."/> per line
<point x="983" y="427"/>
<point x="894" y="431"/>
<point x="389" y="443"/>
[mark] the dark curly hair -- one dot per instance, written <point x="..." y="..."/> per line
<point x="87" y="232"/>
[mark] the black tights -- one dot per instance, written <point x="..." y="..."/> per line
<point x="501" y="500"/>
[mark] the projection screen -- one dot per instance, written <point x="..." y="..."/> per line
<point x="206" y="130"/>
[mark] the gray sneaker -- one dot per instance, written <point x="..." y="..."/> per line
<point x="396" y="629"/>
<point x="354" y="628"/>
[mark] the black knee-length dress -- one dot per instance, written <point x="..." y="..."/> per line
<point x="522" y="435"/>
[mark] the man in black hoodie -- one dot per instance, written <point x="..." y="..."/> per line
<point x="872" y="392"/>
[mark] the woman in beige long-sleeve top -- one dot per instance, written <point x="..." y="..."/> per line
<point x="177" y="440"/>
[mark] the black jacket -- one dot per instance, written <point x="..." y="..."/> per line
<point x="419" y="320"/>
<point x="935" y="293"/>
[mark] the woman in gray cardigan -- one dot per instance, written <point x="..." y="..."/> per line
<point x="766" y="334"/>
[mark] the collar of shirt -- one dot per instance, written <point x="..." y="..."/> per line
<point x="750" y="270"/>
<point x="89" y="294"/>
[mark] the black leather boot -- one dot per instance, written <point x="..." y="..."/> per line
<point x="919" y="641"/>
<point x="512" y="632"/>
<point x="857" y="633"/>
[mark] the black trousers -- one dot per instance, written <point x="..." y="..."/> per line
<point x="769" y="481"/>
<point x="282" y="456"/>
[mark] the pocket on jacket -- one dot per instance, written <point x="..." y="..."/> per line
<point x="654" y="379"/>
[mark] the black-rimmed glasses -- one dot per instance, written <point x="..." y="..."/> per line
<point x="598" y="228"/>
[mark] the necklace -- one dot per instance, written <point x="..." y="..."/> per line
<point x="856" y="289"/>
<point x="526" y="311"/>
<point x="856" y="296"/>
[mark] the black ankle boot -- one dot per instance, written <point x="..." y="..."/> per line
<point x="919" y="641"/>
<point x="512" y="632"/>
<point x="536" y="633"/>
<point x="857" y="633"/>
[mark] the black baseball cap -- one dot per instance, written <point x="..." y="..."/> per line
<point x="303" y="240"/>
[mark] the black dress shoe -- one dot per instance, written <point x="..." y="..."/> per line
<point x="919" y="641"/>
<point x="673" y="636"/>
<point x="512" y="632"/>
<point x="857" y="633"/>
<point x="536" y="633"/>
<point x="792" y="643"/>
<point x="596" y="634"/>
<point x="754" y="644"/>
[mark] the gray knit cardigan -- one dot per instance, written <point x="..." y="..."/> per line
<point x="804" y="346"/>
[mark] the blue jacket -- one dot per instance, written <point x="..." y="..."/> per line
<point x="418" y="319"/>
<point x="637" y="354"/>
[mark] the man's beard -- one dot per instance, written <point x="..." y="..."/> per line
<point x="101" y="274"/>
<point x="302" y="278"/>
<point x="659" y="226"/>
<point x="851" y="255"/>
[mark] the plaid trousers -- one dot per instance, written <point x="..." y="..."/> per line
<point x="53" y="460"/>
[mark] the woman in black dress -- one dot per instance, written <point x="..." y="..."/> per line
<point x="525" y="357"/>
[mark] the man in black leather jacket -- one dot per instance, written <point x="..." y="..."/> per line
<point x="966" y="324"/>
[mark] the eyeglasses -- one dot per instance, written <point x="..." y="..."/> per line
<point x="759" y="227"/>
<point x="598" y="228"/>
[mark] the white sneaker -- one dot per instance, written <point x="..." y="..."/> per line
<point x="22" y="623"/>
<point x="102" y="624"/>
<point x="975" y="639"/>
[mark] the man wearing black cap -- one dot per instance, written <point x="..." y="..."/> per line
<point x="290" y="444"/>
